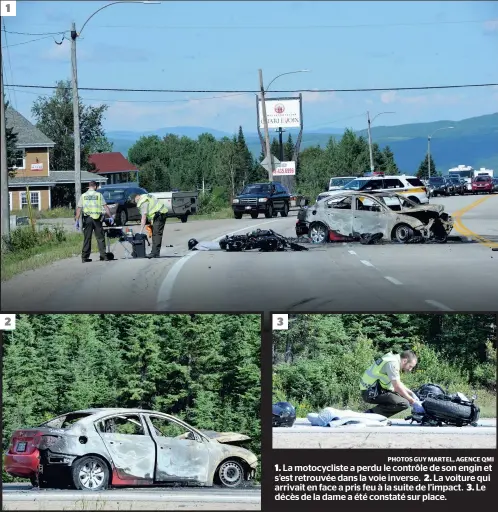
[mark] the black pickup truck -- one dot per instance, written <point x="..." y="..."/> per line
<point x="267" y="198"/>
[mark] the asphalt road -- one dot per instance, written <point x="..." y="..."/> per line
<point x="401" y="434"/>
<point x="24" y="497"/>
<point x="457" y="276"/>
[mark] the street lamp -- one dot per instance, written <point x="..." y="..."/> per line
<point x="74" y="78"/>
<point x="429" y="137"/>
<point x="370" y="149"/>
<point x="265" y="120"/>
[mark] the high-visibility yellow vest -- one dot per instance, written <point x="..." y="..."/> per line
<point x="93" y="203"/>
<point x="155" y="206"/>
<point x="376" y="373"/>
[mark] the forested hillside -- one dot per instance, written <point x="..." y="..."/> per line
<point x="204" y="369"/>
<point x="225" y="165"/>
<point x="318" y="362"/>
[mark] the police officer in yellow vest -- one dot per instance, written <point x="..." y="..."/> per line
<point x="381" y="384"/>
<point x="92" y="205"/>
<point x="153" y="211"/>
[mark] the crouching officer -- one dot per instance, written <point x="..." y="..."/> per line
<point x="92" y="205"/>
<point x="153" y="211"/>
<point x="381" y="384"/>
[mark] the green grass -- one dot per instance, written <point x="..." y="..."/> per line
<point x="17" y="262"/>
<point x="54" y="213"/>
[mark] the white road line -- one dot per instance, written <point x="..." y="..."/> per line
<point x="392" y="280"/>
<point x="438" y="305"/>
<point x="351" y="252"/>
<point x="367" y="263"/>
<point x="166" y="289"/>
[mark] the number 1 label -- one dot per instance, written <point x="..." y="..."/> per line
<point x="8" y="7"/>
<point x="7" y="322"/>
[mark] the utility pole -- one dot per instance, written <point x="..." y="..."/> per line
<point x="370" y="143"/>
<point x="76" y="117"/>
<point x="280" y="144"/>
<point x="265" y="125"/>
<point x="429" y="155"/>
<point x="3" y="165"/>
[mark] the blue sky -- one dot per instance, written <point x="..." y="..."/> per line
<point x="221" y="45"/>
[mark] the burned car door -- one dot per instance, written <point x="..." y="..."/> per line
<point x="182" y="455"/>
<point x="338" y="214"/>
<point x="370" y="216"/>
<point x="130" y="446"/>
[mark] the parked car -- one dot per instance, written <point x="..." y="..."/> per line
<point x="459" y="186"/>
<point x="409" y="186"/>
<point x="350" y="214"/>
<point x="267" y="198"/>
<point x="117" y="198"/>
<point x="95" y="449"/>
<point x="495" y="184"/>
<point x="439" y="186"/>
<point x="482" y="183"/>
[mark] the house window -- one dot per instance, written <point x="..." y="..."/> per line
<point x="34" y="197"/>
<point x="21" y="159"/>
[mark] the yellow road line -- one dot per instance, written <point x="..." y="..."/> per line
<point x="460" y="228"/>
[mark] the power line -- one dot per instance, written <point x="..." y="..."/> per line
<point x="26" y="42"/>
<point x="38" y="34"/>
<point x="266" y="27"/>
<point x="136" y="101"/>
<point x="239" y="91"/>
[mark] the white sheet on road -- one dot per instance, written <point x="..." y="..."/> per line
<point x="331" y="417"/>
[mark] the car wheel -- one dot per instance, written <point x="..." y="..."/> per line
<point x="237" y="215"/>
<point x="319" y="233"/>
<point x="123" y="218"/>
<point x="414" y="199"/>
<point x="90" y="474"/>
<point x="402" y="233"/>
<point x="184" y="218"/>
<point x="285" y="211"/>
<point x="254" y="215"/>
<point x="269" y="212"/>
<point x="231" y="474"/>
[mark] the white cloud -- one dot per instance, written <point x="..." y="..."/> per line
<point x="389" y="97"/>
<point x="321" y="97"/>
<point x="491" y="26"/>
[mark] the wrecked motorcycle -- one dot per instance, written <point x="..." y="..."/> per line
<point x="440" y="407"/>
<point x="264" y="240"/>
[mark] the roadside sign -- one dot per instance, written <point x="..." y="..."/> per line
<point x="285" y="169"/>
<point x="266" y="163"/>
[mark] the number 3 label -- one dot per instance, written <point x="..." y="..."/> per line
<point x="280" y="322"/>
<point x="8" y="7"/>
<point x="7" y="322"/>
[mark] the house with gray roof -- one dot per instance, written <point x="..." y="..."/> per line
<point x="32" y="170"/>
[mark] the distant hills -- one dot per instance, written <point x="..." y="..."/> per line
<point x="472" y="141"/>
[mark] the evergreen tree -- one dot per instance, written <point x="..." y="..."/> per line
<point x="388" y="163"/>
<point x="289" y="148"/>
<point x="423" y="170"/>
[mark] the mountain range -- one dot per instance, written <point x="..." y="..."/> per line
<point x="472" y="141"/>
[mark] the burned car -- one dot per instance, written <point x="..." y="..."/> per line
<point x="98" y="448"/>
<point x="350" y="215"/>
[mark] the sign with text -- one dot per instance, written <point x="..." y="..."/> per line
<point x="37" y="167"/>
<point x="284" y="113"/>
<point x="285" y="169"/>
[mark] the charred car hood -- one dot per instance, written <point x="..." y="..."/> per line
<point x="437" y="208"/>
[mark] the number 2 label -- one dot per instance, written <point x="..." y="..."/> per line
<point x="7" y="322"/>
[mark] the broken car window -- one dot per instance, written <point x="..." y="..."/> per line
<point x="65" y="421"/>
<point x="129" y="424"/>
<point x="340" y="203"/>
<point x="167" y="428"/>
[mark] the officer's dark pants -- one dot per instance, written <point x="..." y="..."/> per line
<point x="387" y="403"/>
<point x="89" y="226"/>
<point x="158" y="223"/>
